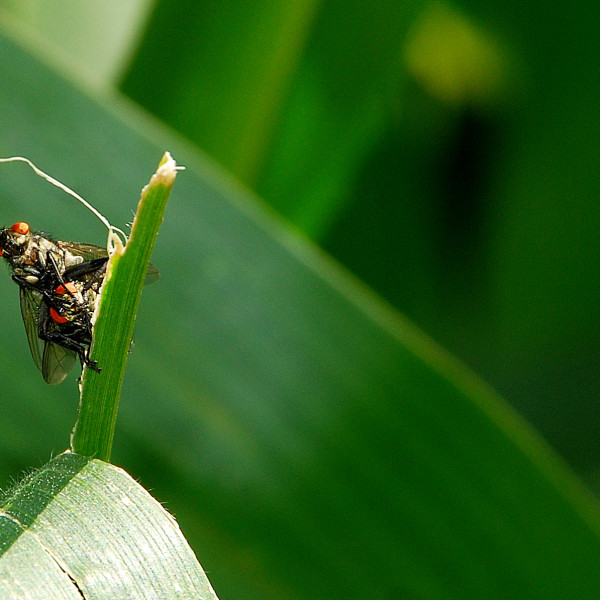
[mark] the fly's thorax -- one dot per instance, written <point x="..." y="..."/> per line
<point x="41" y="256"/>
<point x="37" y="251"/>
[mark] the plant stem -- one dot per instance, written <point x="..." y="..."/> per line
<point x="115" y="317"/>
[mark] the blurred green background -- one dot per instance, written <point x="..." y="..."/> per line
<point x="445" y="154"/>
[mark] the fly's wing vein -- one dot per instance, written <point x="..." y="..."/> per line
<point x="54" y="361"/>
<point x="57" y="362"/>
<point x="86" y="251"/>
<point x="30" y="311"/>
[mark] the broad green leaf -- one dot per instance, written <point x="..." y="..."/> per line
<point x="311" y="441"/>
<point x="441" y="217"/>
<point x="83" y="528"/>
<point x="472" y="211"/>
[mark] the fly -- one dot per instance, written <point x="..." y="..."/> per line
<point x="59" y="287"/>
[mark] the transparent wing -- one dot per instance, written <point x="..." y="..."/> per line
<point x="30" y="311"/>
<point x="152" y="275"/>
<point x="86" y="251"/>
<point x="57" y="362"/>
<point x="90" y="252"/>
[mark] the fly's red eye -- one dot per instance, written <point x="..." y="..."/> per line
<point x="21" y="228"/>
<point x="1" y="253"/>
<point x="70" y="286"/>
<point x="57" y="318"/>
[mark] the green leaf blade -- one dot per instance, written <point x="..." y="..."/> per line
<point x="313" y="443"/>
<point x="108" y="537"/>
<point x="28" y="571"/>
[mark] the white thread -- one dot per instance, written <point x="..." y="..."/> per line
<point x="113" y="239"/>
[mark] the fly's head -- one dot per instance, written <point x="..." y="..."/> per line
<point x="67" y="303"/>
<point x="22" y="253"/>
<point x="32" y="256"/>
<point x="71" y="311"/>
<point x="14" y="241"/>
